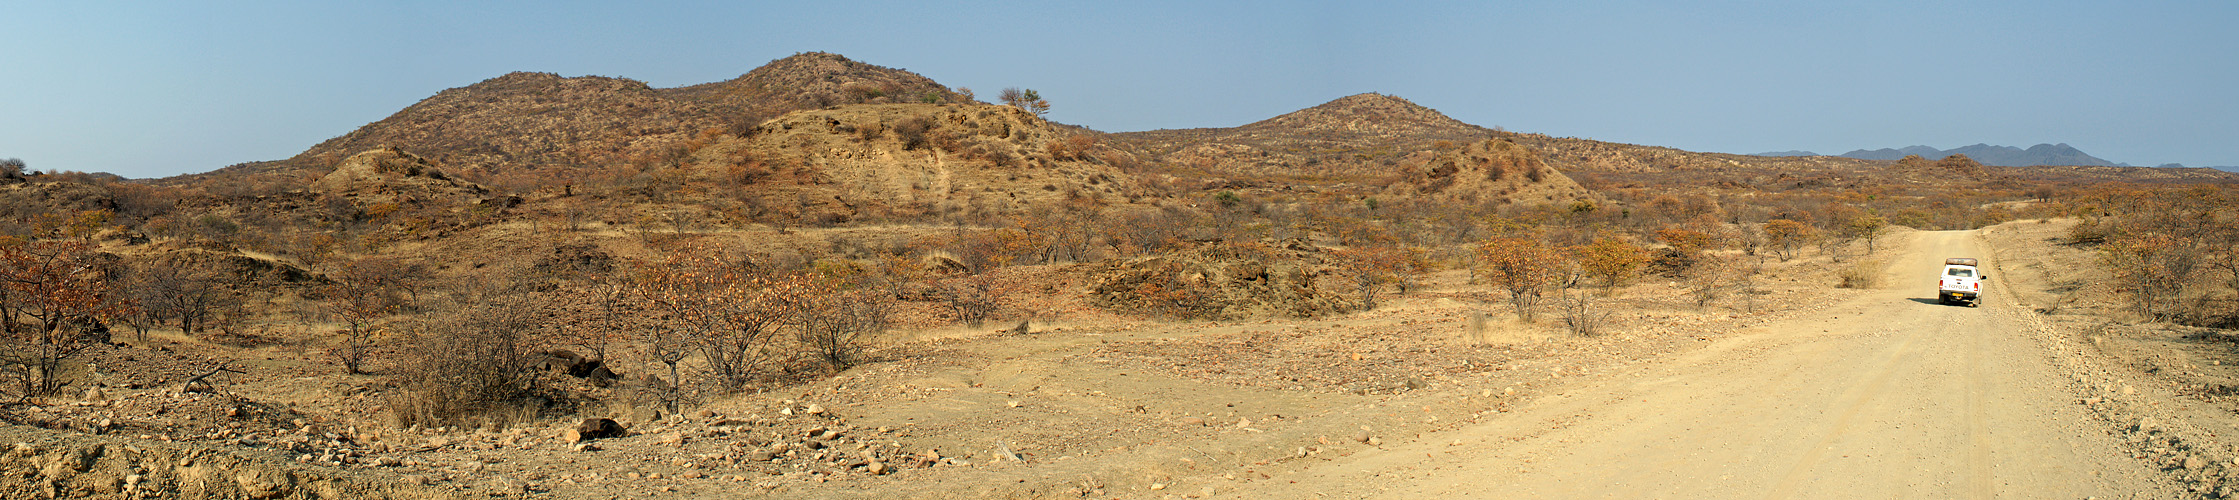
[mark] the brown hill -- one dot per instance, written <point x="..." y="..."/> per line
<point x="535" y="129"/>
<point x="809" y="81"/>
<point x="391" y="169"/>
<point x="1358" y="138"/>
<point x="1360" y="145"/>
<point x="913" y="160"/>
<point x="1487" y="171"/>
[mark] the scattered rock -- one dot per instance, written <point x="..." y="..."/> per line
<point x="1191" y="421"/>
<point x="593" y="428"/>
<point x="815" y="410"/>
<point x="260" y="483"/>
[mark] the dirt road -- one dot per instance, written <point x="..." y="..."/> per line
<point x="1888" y="395"/>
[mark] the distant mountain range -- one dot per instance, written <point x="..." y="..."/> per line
<point x="2005" y="156"/>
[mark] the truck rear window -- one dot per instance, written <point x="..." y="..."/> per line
<point x="1960" y="272"/>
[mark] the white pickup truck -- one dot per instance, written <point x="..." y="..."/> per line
<point x="1961" y="283"/>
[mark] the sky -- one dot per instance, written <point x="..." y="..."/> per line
<point x="153" y="89"/>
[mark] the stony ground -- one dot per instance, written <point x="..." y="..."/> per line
<point x="1087" y="404"/>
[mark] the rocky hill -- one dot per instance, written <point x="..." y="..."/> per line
<point x="534" y="129"/>
<point x="1360" y="145"/>
<point x="914" y="160"/>
<point x="526" y="131"/>
<point x="810" y="81"/>
<point x="1358" y="138"/>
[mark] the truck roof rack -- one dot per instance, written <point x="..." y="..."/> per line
<point x="1959" y="261"/>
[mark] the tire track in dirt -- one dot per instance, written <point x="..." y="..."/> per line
<point x="1979" y="390"/>
<point x="1859" y="397"/>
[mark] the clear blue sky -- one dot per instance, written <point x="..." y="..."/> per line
<point x="161" y="88"/>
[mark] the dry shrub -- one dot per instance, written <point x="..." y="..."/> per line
<point x="469" y="366"/>
<point x="1861" y="274"/>
<point x="1581" y="315"/>
<point x="2091" y="231"/>
<point x="835" y="322"/>
<point x="1712" y="278"/>
<point x="2155" y="269"/>
<point x="1614" y="261"/>
<point x="972" y="299"/>
<point x="1000" y="157"/>
<point x="1523" y="267"/>
<point x="912" y="132"/>
<point x="1474" y="327"/>
<point x="1225" y="281"/>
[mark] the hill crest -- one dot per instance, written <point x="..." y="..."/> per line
<point x="1366" y="113"/>
<point x="525" y="130"/>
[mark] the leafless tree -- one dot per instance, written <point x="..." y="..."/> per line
<point x="1026" y="99"/>
<point x="835" y="324"/>
<point x="971" y="298"/>
<point x="185" y="291"/>
<point x="61" y="290"/>
<point x="363" y="294"/>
